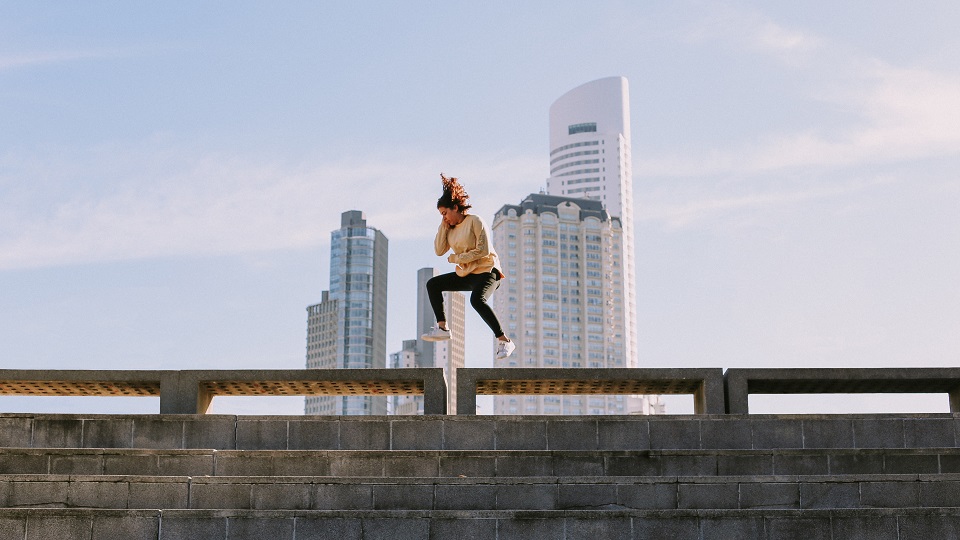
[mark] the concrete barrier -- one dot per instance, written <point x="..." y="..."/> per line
<point x="741" y="382"/>
<point x="706" y="384"/>
<point x="191" y="391"/>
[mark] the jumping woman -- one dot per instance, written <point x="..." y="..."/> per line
<point x="478" y="267"/>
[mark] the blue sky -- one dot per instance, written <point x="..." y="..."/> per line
<point x="170" y="173"/>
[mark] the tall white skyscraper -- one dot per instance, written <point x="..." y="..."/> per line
<point x="590" y="158"/>
<point x="449" y="354"/>
<point x="348" y="328"/>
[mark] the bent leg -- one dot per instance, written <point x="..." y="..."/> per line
<point x="444" y="282"/>
<point x="484" y="285"/>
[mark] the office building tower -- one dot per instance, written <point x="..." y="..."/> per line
<point x="449" y="355"/>
<point x="590" y="158"/>
<point x="348" y="328"/>
<point x="563" y="300"/>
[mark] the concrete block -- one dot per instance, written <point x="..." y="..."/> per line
<point x="281" y="496"/>
<point x="527" y="496"/>
<point x="733" y="526"/>
<point x="949" y="463"/>
<point x="790" y="528"/>
<point x="424" y="434"/>
<point x="219" y="495"/>
<point x="800" y="464"/>
<point x="521" y="435"/>
<point x="744" y="464"/>
<point x="158" y="433"/>
<point x="668" y="526"/>
<point x="261" y="434"/>
<point x="327" y="528"/>
<point x="779" y="434"/>
<point x="79" y="463"/>
<point x="14" y="527"/>
<point x="928" y="525"/>
<point x="470" y="466"/>
<point x="211" y="432"/>
<point x="623" y="435"/>
<point x="303" y="464"/>
<point x="108" y="433"/>
<point x="357" y="465"/>
<point x="725" y="434"/>
<point x="889" y="494"/>
<point x="828" y="433"/>
<point x="762" y="495"/>
<point x="911" y="464"/>
<point x="364" y="435"/>
<point x="36" y="494"/>
<point x="243" y="464"/>
<point x="141" y="525"/>
<point x="129" y="464"/>
<point x="856" y="463"/>
<point x="17" y="462"/>
<point x="865" y="528"/>
<point x="829" y="495"/>
<point x="514" y="465"/>
<point x="674" y="434"/>
<point x="472" y="529"/>
<point x="92" y="494"/>
<point x="929" y="433"/>
<point x="466" y="434"/>
<point x="158" y="495"/>
<point x="523" y="527"/>
<point x="466" y="497"/>
<point x="648" y="495"/>
<point x="403" y="497"/>
<point x="190" y="464"/>
<point x="75" y="526"/>
<point x="588" y="464"/>
<point x="586" y="496"/>
<point x="878" y="432"/>
<point x="692" y="465"/>
<point x="411" y="466"/>
<point x="634" y="464"/>
<point x="707" y="496"/>
<point x="578" y="434"/>
<point x="394" y="528"/>
<point x="598" y="527"/>
<point x="259" y="528"/>
<point x="16" y="432"/>
<point x="314" y="434"/>
<point x="939" y="494"/>
<point x="342" y="497"/>
<point x="190" y="525"/>
<point x="51" y="433"/>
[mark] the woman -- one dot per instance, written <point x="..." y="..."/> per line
<point x="477" y="264"/>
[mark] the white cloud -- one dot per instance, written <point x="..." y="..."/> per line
<point x="189" y="204"/>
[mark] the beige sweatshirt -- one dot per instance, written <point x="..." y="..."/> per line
<point x="470" y="242"/>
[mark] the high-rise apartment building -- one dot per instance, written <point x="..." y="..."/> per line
<point x="564" y="297"/>
<point x="449" y="354"/>
<point x="348" y="328"/>
<point x="590" y="158"/>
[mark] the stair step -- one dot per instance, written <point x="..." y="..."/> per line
<point x="873" y="524"/>
<point x="533" y="493"/>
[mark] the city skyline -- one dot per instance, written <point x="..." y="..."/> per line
<point x="169" y="174"/>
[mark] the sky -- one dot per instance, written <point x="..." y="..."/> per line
<point x="170" y="174"/>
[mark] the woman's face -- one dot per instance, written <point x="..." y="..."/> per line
<point x="451" y="216"/>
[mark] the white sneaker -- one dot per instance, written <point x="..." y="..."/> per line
<point x="504" y="349"/>
<point x="436" y="334"/>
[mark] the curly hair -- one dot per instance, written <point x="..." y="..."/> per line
<point x="453" y="194"/>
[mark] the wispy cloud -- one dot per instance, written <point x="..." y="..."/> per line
<point x="218" y="204"/>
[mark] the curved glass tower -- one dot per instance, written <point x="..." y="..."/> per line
<point x="590" y="158"/>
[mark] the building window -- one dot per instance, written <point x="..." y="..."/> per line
<point x="590" y="127"/>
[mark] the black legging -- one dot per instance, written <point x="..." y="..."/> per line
<point x="481" y="285"/>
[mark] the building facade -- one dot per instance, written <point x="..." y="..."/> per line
<point x="590" y="158"/>
<point x="449" y="355"/>
<point x="348" y="328"/>
<point x="563" y="303"/>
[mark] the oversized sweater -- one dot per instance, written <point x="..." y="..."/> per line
<point x="470" y="242"/>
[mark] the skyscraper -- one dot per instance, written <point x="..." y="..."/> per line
<point x="348" y="328"/>
<point x="590" y="158"/>
<point x="449" y="354"/>
<point x="564" y="298"/>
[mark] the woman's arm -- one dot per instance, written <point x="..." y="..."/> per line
<point x="440" y="243"/>
<point x="482" y="248"/>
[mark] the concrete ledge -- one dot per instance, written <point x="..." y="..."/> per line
<point x="706" y="384"/>
<point x="741" y="382"/>
<point x="191" y="391"/>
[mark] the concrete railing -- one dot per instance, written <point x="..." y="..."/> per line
<point x="191" y="391"/>
<point x="741" y="382"/>
<point x="706" y="384"/>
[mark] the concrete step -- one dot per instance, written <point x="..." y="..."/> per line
<point x="477" y="463"/>
<point x="863" y="524"/>
<point x="479" y="432"/>
<point x="530" y="493"/>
